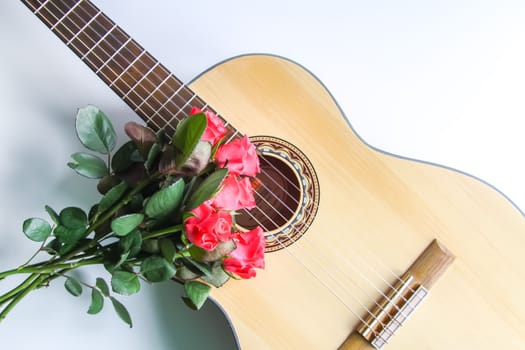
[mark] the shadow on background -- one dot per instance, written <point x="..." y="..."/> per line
<point x="183" y="328"/>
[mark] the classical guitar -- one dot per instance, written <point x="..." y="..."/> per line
<point x="358" y="241"/>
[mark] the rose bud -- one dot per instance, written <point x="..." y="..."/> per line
<point x="198" y="160"/>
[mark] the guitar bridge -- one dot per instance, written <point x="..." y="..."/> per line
<point x="401" y="300"/>
<point x="387" y="318"/>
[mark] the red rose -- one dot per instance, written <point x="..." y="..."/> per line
<point x="239" y="156"/>
<point x="208" y="227"/>
<point x="215" y="129"/>
<point x="236" y="193"/>
<point x="248" y="255"/>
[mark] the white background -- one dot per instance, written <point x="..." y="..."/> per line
<point x="441" y="81"/>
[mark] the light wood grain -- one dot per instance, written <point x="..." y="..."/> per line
<point x="372" y="205"/>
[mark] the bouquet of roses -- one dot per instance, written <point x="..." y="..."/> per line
<point x="167" y="211"/>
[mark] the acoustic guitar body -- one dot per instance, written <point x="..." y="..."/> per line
<point x="370" y="216"/>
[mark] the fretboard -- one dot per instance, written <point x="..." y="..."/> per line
<point x="154" y="93"/>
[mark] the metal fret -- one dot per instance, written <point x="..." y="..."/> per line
<point x="143" y="77"/>
<point x="152" y="92"/>
<point x="98" y="42"/>
<point x="128" y="67"/>
<point x="41" y="6"/>
<point x="113" y="56"/>
<point x="81" y="30"/>
<point x="66" y="14"/>
<point x="165" y="102"/>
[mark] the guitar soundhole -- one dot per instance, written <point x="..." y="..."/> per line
<point x="286" y="193"/>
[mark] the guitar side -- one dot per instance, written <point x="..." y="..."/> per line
<point x="373" y="207"/>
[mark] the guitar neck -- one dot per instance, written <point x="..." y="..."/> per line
<point x="146" y="85"/>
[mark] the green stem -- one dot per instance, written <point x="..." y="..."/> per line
<point x="40" y="269"/>
<point x="163" y="232"/>
<point x="140" y="186"/>
<point x="18" y="289"/>
<point x="20" y="296"/>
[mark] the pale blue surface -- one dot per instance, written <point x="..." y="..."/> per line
<point x="436" y="80"/>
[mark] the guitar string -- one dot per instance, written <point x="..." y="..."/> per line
<point x="127" y="70"/>
<point x="289" y="251"/>
<point x="338" y="267"/>
<point x="59" y="20"/>
<point x="86" y="45"/>
<point x="129" y="65"/>
<point x="73" y="45"/>
<point x="308" y="211"/>
<point x="330" y="274"/>
<point x="117" y="52"/>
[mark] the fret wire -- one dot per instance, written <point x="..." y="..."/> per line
<point x="167" y="100"/>
<point x="233" y="135"/>
<point x="98" y="42"/>
<point x="146" y="78"/>
<point x="170" y="100"/>
<point x="128" y="67"/>
<point x="41" y="6"/>
<point x="156" y="88"/>
<point x="28" y="3"/>
<point x="84" y="27"/>
<point x="112" y="56"/>
<point x="73" y="44"/>
<point x="181" y="110"/>
<point x="66" y="14"/>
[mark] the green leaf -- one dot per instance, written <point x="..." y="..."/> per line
<point x="73" y="286"/>
<point x="167" y="249"/>
<point x="73" y="218"/>
<point x="112" y="196"/>
<point x="52" y="247"/>
<point x="202" y="267"/>
<point x="185" y="273"/>
<point x="218" y="275"/>
<point x="122" y="159"/>
<point x="125" y="283"/>
<point x="157" y="269"/>
<point x="95" y="130"/>
<point x="69" y="236"/>
<point x="103" y="286"/>
<point x="123" y="225"/>
<point x="107" y="183"/>
<point x="52" y="214"/>
<point x="97" y="302"/>
<point x="153" y="154"/>
<point x="188" y="134"/>
<point x="207" y="189"/>
<point x="197" y="292"/>
<point x="131" y="243"/>
<point x="165" y="201"/>
<point x="36" y="229"/>
<point x="88" y="165"/>
<point x="143" y="137"/>
<point x="121" y="311"/>
<point x="221" y="250"/>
